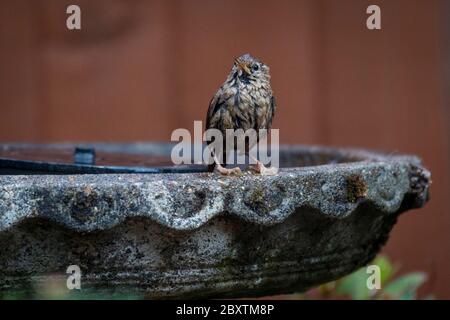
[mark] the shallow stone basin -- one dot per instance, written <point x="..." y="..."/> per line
<point x="327" y="213"/>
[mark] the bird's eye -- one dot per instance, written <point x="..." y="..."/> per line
<point x="255" y="67"/>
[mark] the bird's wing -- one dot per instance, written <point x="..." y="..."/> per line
<point x="214" y="106"/>
<point x="273" y="106"/>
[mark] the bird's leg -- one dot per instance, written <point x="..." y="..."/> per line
<point x="261" y="169"/>
<point x="224" y="171"/>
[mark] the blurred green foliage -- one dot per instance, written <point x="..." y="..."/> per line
<point x="354" y="286"/>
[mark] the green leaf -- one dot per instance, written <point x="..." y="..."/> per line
<point x="387" y="269"/>
<point x="405" y="287"/>
<point x="354" y="285"/>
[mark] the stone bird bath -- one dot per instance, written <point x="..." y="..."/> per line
<point x="193" y="235"/>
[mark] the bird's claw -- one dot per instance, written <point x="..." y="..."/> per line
<point x="229" y="172"/>
<point x="262" y="170"/>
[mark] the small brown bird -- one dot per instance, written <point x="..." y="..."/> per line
<point x="244" y="101"/>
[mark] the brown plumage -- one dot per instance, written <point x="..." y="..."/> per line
<point x="244" y="101"/>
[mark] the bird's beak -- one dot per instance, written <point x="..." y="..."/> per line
<point x="242" y="65"/>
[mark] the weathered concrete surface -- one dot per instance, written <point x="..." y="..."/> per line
<point x="202" y="235"/>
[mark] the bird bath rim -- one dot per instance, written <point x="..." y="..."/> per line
<point x="335" y="190"/>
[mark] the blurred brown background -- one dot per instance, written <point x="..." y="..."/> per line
<point x="139" y="69"/>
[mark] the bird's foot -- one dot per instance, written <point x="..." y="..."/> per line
<point x="262" y="170"/>
<point x="229" y="172"/>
